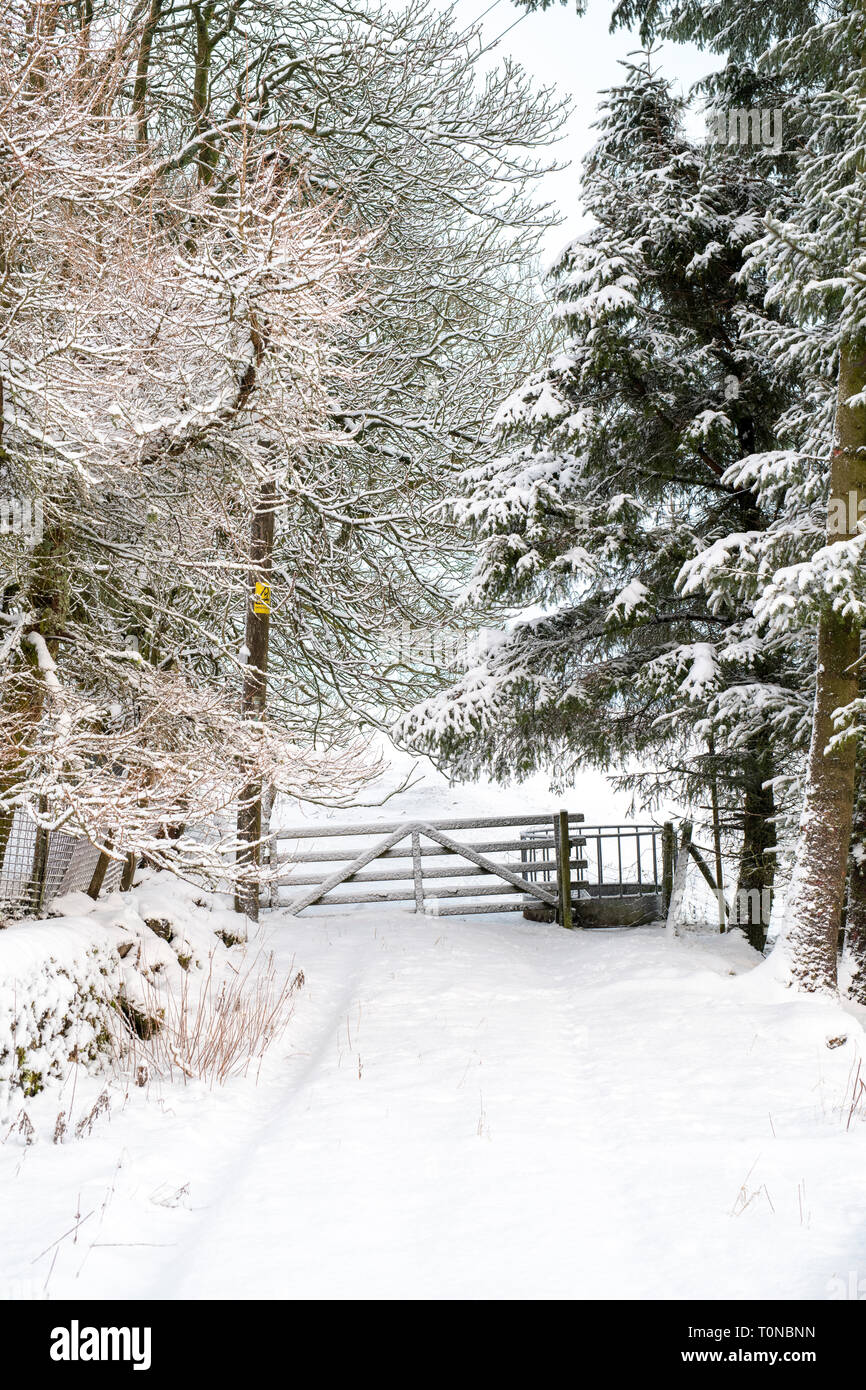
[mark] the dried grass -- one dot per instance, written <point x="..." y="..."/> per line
<point x="855" y="1096"/>
<point x="216" y="1028"/>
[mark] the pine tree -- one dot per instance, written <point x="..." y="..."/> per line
<point x="615" y="475"/>
<point x="814" y="258"/>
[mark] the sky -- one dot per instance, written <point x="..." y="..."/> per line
<point x="580" y="57"/>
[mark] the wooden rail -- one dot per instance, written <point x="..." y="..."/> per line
<point x="316" y="832"/>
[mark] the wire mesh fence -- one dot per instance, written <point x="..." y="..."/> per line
<point x="37" y="865"/>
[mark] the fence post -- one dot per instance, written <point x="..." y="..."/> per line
<point x="417" y="871"/>
<point x="129" y="867"/>
<point x="679" y="885"/>
<point x="39" y="865"/>
<point x="563" y="867"/>
<point x="668" y="841"/>
<point x="40" y="868"/>
<point x="99" y="872"/>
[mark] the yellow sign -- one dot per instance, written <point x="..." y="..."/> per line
<point x="262" y="600"/>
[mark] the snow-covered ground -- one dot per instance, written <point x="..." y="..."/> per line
<point x="466" y="1108"/>
<point x="487" y="1108"/>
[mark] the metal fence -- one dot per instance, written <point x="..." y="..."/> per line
<point x="620" y="861"/>
<point x="623" y="861"/>
<point x="37" y="865"/>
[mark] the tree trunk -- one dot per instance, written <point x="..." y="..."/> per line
<point x="757" y="856"/>
<point x="139" y="91"/>
<point x="855" y="906"/>
<point x="717" y="839"/>
<point x="855" y="919"/>
<point x="254" y="694"/>
<point x="817" y="891"/>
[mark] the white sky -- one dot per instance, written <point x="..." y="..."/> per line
<point x="580" y="57"/>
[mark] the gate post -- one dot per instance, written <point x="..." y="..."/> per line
<point x="417" y="871"/>
<point x="563" y="867"/>
<point x="95" y="886"/>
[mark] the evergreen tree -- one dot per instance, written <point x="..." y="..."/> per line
<point x="616" y="473"/>
<point x="813" y="258"/>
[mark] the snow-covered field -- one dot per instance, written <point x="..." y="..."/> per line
<point x="483" y="1108"/>
<point x="468" y="1108"/>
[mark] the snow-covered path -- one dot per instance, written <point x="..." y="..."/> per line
<point x="470" y="1108"/>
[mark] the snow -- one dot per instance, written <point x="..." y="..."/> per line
<point x="462" y="1108"/>
<point x="52" y="986"/>
<point x="45" y="662"/>
<point x="549" y="405"/>
<point x="633" y="596"/>
<point x="702" y="671"/>
<point x="483" y="1109"/>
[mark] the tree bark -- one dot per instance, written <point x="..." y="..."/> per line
<point x="717" y="839"/>
<point x="139" y="91"/>
<point x="817" y="891"/>
<point x="757" y="865"/>
<point x="255" y="686"/>
<point x="855" y="919"/>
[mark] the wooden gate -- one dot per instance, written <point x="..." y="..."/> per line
<point x="413" y="861"/>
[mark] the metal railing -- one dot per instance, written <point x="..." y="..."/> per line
<point x="617" y="860"/>
<point x="623" y="860"/>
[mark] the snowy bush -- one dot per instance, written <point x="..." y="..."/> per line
<point x="155" y="982"/>
<point x="158" y="975"/>
<point x="196" y="1001"/>
<point x="57" y="983"/>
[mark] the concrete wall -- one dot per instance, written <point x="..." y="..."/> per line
<point x="608" y="911"/>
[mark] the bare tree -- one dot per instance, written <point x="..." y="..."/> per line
<point x="162" y="339"/>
